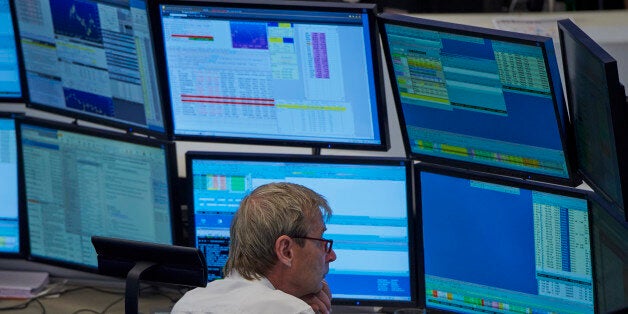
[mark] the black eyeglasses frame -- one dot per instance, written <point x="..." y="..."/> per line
<point x="328" y="243"/>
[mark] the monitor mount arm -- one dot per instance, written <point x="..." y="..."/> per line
<point x="132" y="291"/>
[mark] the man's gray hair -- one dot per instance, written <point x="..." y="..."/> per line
<point x="268" y="212"/>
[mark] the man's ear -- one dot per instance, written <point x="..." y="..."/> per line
<point x="283" y="249"/>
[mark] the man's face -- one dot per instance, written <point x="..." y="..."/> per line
<point x="312" y="261"/>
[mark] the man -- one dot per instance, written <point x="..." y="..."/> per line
<point x="277" y="257"/>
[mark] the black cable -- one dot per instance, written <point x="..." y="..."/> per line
<point x="85" y="310"/>
<point x="155" y="291"/>
<point x="24" y="305"/>
<point x="19" y="306"/>
<point x="112" y="304"/>
<point x="36" y="299"/>
<point x="117" y="291"/>
<point x="43" y="308"/>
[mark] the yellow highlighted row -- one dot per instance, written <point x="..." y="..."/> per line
<point x="424" y="97"/>
<point x="308" y="107"/>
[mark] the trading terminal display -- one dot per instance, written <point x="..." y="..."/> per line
<point x="9" y="210"/>
<point x="287" y="73"/>
<point x="91" y="60"/>
<point x="491" y="245"/>
<point x="370" y="229"/>
<point x="478" y="98"/>
<point x="79" y="182"/>
<point x="11" y="79"/>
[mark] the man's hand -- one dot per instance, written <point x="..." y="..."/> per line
<point x="320" y="301"/>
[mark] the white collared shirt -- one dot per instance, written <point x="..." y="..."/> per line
<point x="235" y="294"/>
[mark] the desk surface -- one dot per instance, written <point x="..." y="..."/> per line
<point x="90" y="299"/>
<point x="81" y="299"/>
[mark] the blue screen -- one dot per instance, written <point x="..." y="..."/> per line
<point x="369" y="224"/>
<point x="79" y="184"/>
<point x="473" y="98"/>
<point x="495" y="247"/>
<point x="271" y="73"/>
<point x="9" y="222"/>
<point x="10" y="86"/>
<point x="91" y="59"/>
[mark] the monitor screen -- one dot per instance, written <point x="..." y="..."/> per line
<point x="11" y="80"/>
<point x="371" y="202"/>
<point x="288" y="73"/>
<point x="597" y="106"/>
<point x="91" y="60"/>
<point x="9" y="206"/>
<point x="81" y="182"/>
<point x="499" y="246"/>
<point x="609" y="236"/>
<point x="478" y="98"/>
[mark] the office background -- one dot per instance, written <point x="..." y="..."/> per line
<point x="609" y="28"/>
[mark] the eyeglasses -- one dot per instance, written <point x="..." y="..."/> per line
<point x="328" y="243"/>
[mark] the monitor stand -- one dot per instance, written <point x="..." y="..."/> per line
<point x="132" y="290"/>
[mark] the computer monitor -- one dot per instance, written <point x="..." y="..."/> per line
<point x="272" y="72"/>
<point x="11" y="73"/>
<point x="371" y="199"/>
<point x="91" y="60"/>
<point x="609" y="237"/>
<point x="80" y="182"/>
<point x="597" y="107"/>
<point x="9" y="205"/>
<point x="478" y="98"/>
<point x="491" y="245"/>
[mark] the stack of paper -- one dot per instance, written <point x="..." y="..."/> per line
<point x="21" y="284"/>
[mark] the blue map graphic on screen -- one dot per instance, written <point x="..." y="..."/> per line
<point x="88" y="102"/>
<point x="77" y="19"/>
<point x="249" y="35"/>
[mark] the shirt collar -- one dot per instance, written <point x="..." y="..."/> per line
<point x="235" y="275"/>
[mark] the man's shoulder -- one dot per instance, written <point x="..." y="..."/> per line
<point x="240" y="296"/>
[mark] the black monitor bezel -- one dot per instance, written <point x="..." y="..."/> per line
<point x="19" y="60"/>
<point x="605" y="223"/>
<point x="330" y="159"/>
<point x="170" y="159"/>
<point x="79" y="115"/>
<point x="493" y="179"/>
<point x="560" y="108"/>
<point x="617" y="107"/>
<point x="173" y="264"/>
<point x="376" y="59"/>
<point x="21" y="224"/>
